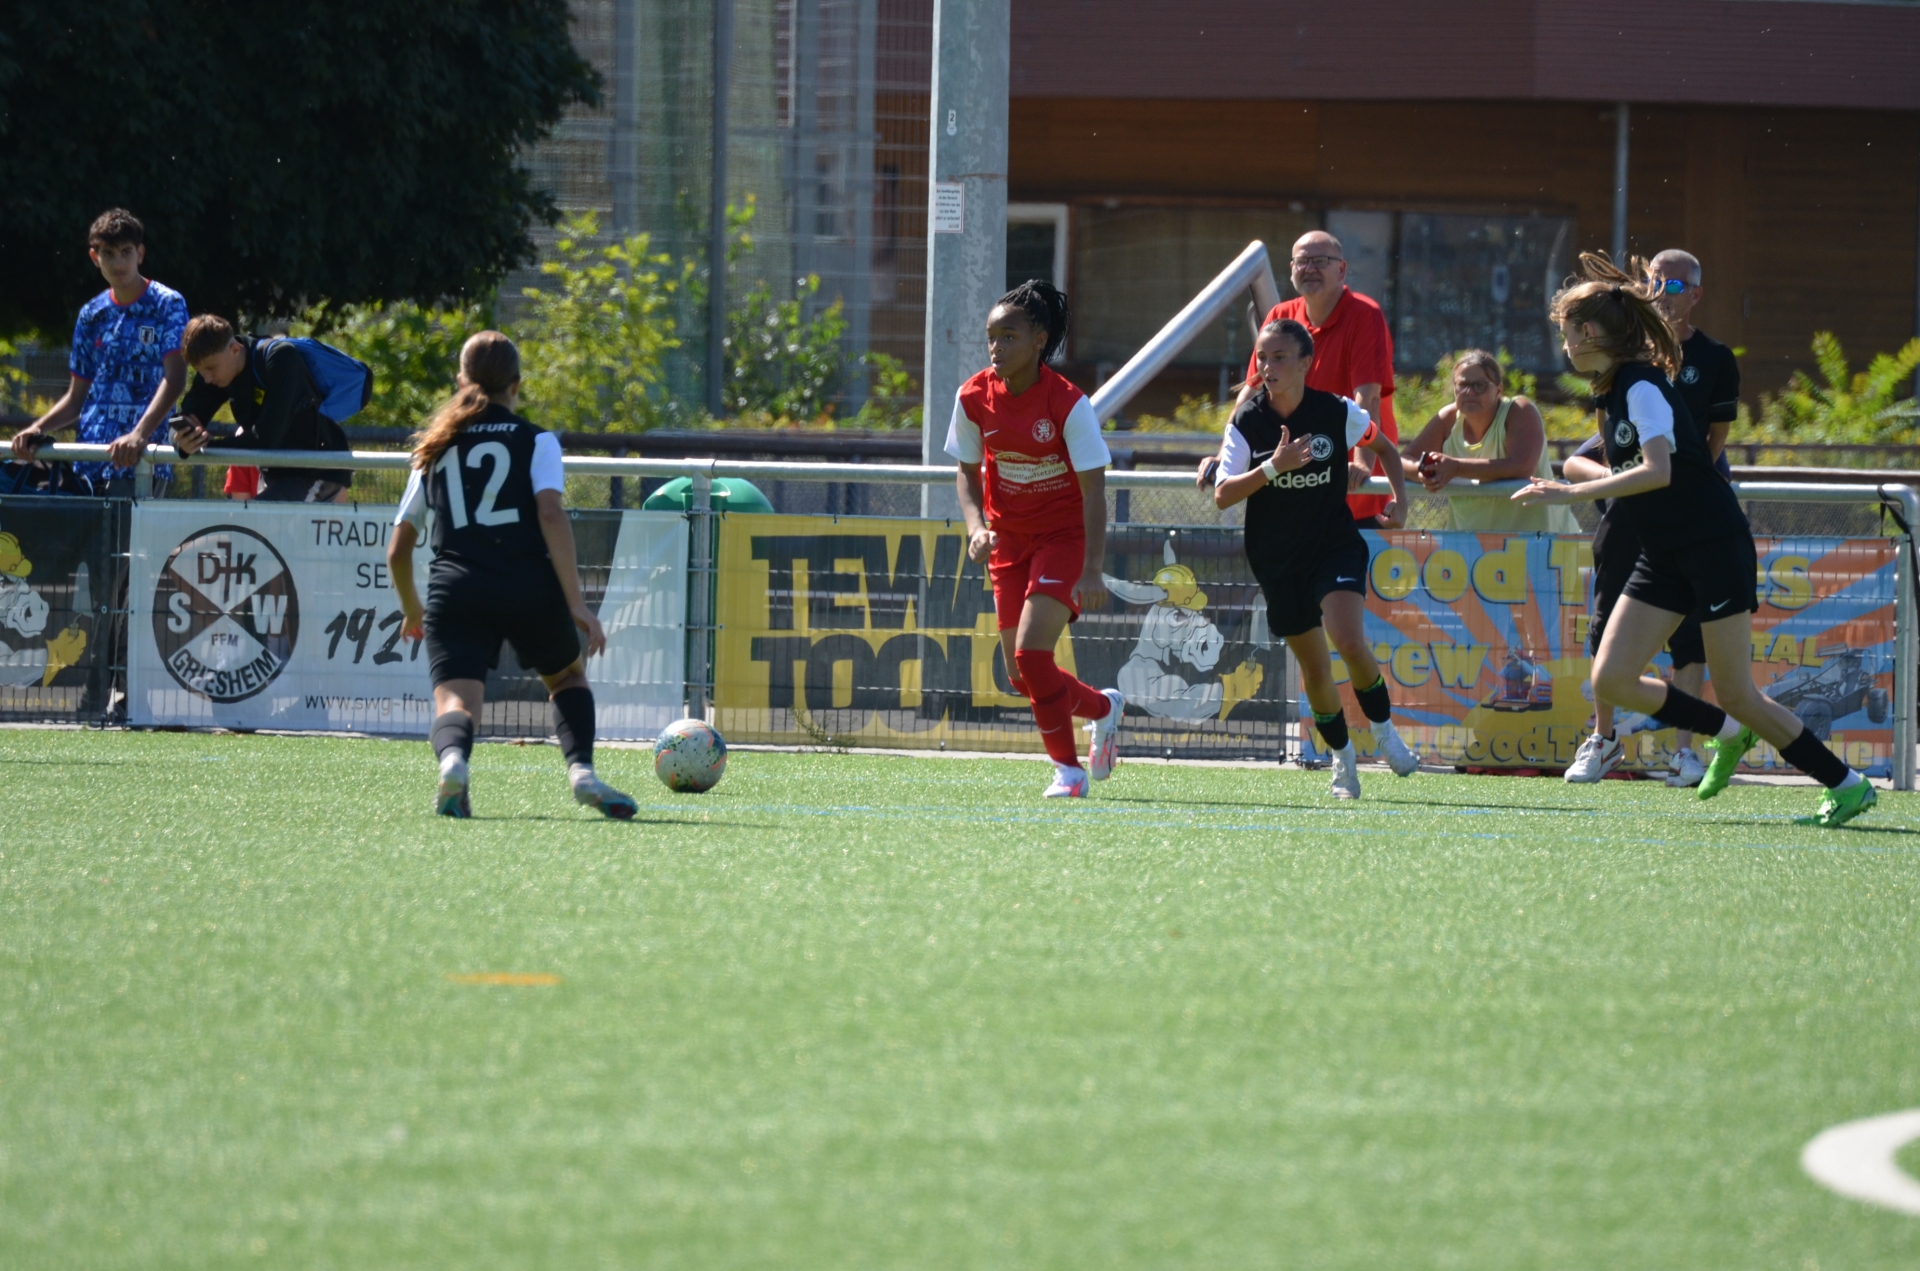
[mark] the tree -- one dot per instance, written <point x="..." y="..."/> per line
<point x="280" y="155"/>
<point x="1844" y="405"/>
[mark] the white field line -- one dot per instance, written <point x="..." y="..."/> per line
<point x="1856" y="1160"/>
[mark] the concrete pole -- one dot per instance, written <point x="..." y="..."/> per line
<point x="1622" y="131"/>
<point x="966" y="211"/>
<point x="717" y="243"/>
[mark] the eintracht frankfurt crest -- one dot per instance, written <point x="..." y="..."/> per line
<point x="225" y="616"/>
<point x="1321" y="447"/>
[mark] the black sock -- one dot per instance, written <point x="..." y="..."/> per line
<point x="453" y="731"/>
<point x="1333" y="729"/>
<point x="1684" y="711"/>
<point x="1810" y="755"/>
<point x="1374" y="703"/>
<point x="573" y="723"/>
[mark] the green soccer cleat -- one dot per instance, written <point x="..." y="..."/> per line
<point x="1726" y="757"/>
<point x="1837" y="807"/>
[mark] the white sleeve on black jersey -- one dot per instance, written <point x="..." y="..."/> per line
<point x="413" y="504"/>
<point x="1085" y="446"/>
<point x="548" y="472"/>
<point x="1648" y="409"/>
<point x="1235" y="456"/>
<point x="1359" y="423"/>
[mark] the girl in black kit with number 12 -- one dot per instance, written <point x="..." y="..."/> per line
<point x="1696" y="549"/>
<point x="503" y="569"/>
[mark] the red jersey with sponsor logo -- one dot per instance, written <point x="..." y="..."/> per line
<point x="1026" y="474"/>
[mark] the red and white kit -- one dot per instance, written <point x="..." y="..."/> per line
<point x="1031" y="448"/>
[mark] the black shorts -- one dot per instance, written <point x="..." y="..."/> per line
<point x="1612" y="567"/>
<point x="1706" y="581"/>
<point x="1294" y="595"/>
<point x="470" y="612"/>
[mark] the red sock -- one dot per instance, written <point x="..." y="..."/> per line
<point x="1048" y="690"/>
<point x="1086" y="701"/>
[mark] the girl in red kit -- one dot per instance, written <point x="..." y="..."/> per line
<point x="1033" y="491"/>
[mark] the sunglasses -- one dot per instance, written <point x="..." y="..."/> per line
<point x="1672" y="286"/>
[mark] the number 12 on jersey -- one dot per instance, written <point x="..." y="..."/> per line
<point x="498" y="461"/>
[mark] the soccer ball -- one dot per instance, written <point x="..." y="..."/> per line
<point x="690" y="757"/>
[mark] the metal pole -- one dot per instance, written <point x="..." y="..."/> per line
<point x="717" y="214"/>
<point x="1622" y="129"/>
<point x="699" y="594"/>
<point x="966" y="210"/>
<point x="1906" y="640"/>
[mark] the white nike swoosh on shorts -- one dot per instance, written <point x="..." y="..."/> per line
<point x="1346" y="580"/>
<point x="1717" y="608"/>
<point x="1051" y="582"/>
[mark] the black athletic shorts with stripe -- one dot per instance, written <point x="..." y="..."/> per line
<point x="470" y="612"/>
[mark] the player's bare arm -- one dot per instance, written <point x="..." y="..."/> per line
<point x="400" y="547"/>
<point x="1653" y="472"/>
<point x="1290" y="455"/>
<point x="1091" y="591"/>
<point x="557" y="529"/>
<point x="1394" y="515"/>
<point x="972" y="511"/>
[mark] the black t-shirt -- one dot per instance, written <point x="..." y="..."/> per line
<point x="277" y="405"/>
<point x="1297" y="518"/>
<point x="481" y="490"/>
<point x="1695" y="504"/>
<point x="1709" y="383"/>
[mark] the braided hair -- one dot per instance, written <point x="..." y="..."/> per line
<point x="1045" y="306"/>
<point x="1620" y="307"/>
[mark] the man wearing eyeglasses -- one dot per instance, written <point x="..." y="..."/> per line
<point x="1709" y="379"/>
<point x="1352" y="350"/>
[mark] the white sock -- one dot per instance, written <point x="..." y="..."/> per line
<point x="578" y="773"/>
<point x="1346" y="752"/>
<point x="1853" y="779"/>
<point x="1070" y="774"/>
<point x="1729" y="729"/>
<point x="449" y="759"/>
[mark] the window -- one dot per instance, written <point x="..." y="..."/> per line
<point x="1037" y="243"/>
<point x="1478" y="282"/>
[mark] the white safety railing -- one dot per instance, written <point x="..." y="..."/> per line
<point x="702" y="472"/>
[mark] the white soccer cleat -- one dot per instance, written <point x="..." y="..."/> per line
<point x="1103" y="752"/>
<point x="1688" y="769"/>
<point x="1399" y="755"/>
<point x="452" y="798"/>
<point x="1068" y="783"/>
<point x="1596" y="757"/>
<point x="589" y="791"/>
<point x="1346" y="773"/>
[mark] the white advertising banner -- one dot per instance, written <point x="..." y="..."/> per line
<point x="271" y="615"/>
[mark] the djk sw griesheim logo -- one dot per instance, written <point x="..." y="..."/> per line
<point x="225" y="616"/>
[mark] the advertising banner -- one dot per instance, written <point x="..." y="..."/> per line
<point x="58" y="590"/>
<point x="1483" y="638"/>
<point x="880" y="632"/>
<point x="284" y="616"/>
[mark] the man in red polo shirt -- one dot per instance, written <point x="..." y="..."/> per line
<point x="1352" y="349"/>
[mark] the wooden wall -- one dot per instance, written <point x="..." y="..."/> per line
<point x="1804" y="219"/>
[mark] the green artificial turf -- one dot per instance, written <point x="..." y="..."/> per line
<point x="860" y="1011"/>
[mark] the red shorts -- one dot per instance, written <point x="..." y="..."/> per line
<point x="1023" y="566"/>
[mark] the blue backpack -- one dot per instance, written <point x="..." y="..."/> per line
<point x="344" y="381"/>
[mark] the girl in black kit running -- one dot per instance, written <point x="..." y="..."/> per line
<point x="1285" y="455"/>
<point x="1696" y="549"/>
<point x="503" y="569"/>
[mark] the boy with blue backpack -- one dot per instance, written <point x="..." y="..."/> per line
<point x="286" y="394"/>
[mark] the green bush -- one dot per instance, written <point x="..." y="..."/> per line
<point x="1846" y="406"/>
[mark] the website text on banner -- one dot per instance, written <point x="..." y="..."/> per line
<point x="283" y="616"/>
<point x="881" y="632"/>
<point x="58" y="585"/>
<point x="1485" y="639"/>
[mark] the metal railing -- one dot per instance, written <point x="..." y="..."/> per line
<point x="1904" y="500"/>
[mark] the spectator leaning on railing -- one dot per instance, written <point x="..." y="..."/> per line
<point x="1485" y="435"/>
<point x="126" y="355"/>
<point x="276" y="400"/>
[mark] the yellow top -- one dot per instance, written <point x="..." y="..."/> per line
<point x="1501" y="515"/>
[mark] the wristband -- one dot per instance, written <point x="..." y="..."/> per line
<point x="1268" y="470"/>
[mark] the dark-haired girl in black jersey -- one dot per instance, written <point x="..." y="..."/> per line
<point x="1696" y="556"/>
<point x="1285" y="455"/>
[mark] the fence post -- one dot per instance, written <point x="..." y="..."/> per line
<point x="1906" y="640"/>
<point x="143" y="478"/>
<point x="699" y="594"/>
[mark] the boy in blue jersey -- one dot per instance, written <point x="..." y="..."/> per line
<point x="126" y="366"/>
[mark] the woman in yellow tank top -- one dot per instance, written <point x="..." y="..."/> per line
<point x="1485" y="436"/>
